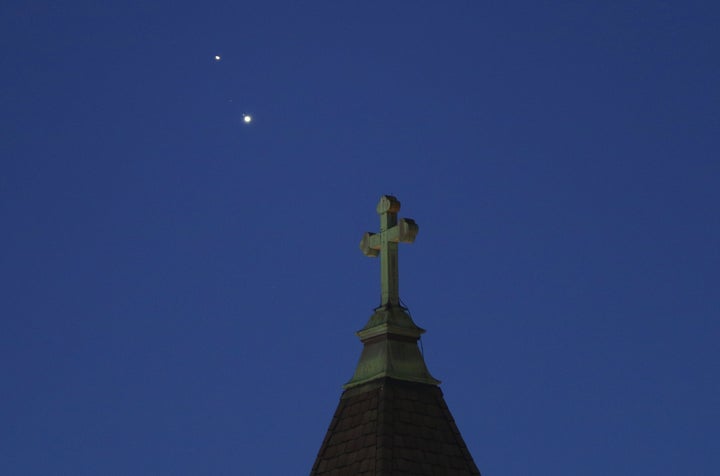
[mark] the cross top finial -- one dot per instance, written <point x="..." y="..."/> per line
<point x="388" y="204"/>
<point x="385" y="244"/>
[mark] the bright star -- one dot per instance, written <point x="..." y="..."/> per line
<point x="247" y="118"/>
<point x="217" y="57"/>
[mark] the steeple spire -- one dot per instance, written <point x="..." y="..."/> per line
<point x="392" y="419"/>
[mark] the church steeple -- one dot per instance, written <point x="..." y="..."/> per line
<point x="392" y="419"/>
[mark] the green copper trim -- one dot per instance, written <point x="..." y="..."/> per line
<point x="390" y="319"/>
<point x="401" y="361"/>
<point x="391" y="350"/>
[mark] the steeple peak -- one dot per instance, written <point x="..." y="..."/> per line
<point x="392" y="418"/>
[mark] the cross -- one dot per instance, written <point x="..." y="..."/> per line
<point x="385" y="244"/>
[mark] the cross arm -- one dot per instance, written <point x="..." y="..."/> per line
<point x="404" y="232"/>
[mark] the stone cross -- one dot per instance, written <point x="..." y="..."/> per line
<point x="385" y="244"/>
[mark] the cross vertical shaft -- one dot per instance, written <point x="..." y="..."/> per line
<point x="389" y="277"/>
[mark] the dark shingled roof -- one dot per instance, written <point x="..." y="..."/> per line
<point x="391" y="427"/>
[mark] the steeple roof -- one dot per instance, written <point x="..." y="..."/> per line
<point x="392" y="418"/>
<point x="390" y="427"/>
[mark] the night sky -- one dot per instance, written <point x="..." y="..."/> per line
<point x="179" y="290"/>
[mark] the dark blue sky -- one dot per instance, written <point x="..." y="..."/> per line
<point x="180" y="291"/>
